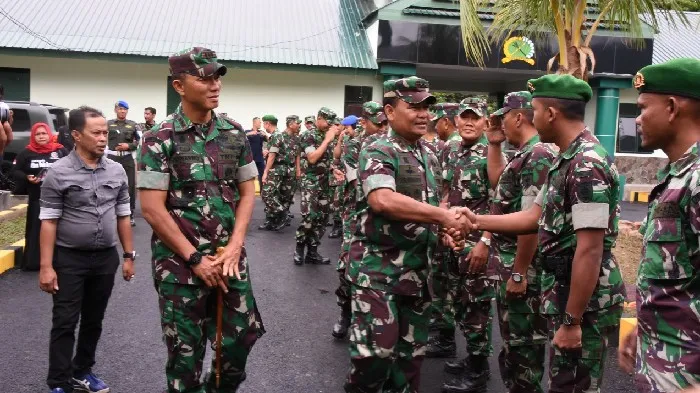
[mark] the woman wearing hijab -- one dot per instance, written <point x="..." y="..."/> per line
<point x="31" y="164"/>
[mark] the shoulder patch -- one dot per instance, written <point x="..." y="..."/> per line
<point x="667" y="210"/>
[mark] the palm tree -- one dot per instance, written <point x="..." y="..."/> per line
<point x="574" y="22"/>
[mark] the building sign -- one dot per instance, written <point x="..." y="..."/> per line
<point x="519" y="48"/>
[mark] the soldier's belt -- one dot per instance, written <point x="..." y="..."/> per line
<point x="117" y="153"/>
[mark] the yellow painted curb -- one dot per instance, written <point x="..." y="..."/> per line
<point x="627" y="325"/>
<point x="257" y="187"/>
<point x="639" y="196"/>
<point x="7" y="260"/>
<point x="6" y="213"/>
<point x="20" y="206"/>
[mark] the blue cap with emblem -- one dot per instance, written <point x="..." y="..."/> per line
<point x="122" y="104"/>
<point x="350" y="120"/>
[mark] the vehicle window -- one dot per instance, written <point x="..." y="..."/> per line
<point x="21" y="120"/>
<point x="59" y="117"/>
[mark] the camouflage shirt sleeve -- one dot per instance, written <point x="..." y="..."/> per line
<point x="275" y="143"/>
<point x="308" y="143"/>
<point x="589" y="192"/>
<point x="153" y="160"/>
<point x="247" y="170"/>
<point x="448" y="171"/>
<point x="350" y="157"/>
<point x="534" y="175"/>
<point x="377" y="169"/>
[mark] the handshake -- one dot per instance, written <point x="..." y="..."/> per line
<point x="455" y="225"/>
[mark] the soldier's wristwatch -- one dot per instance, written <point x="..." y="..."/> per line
<point x="517" y="277"/>
<point x="486" y="241"/>
<point x="195" y="259"/>
<point x="570" y="320"/>
<point x="129" y="255"/>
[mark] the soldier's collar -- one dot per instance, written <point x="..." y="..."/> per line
<point x="182" y="123"/>
<point x="683" y="164"/>
<point x="401" y="141"/>
<point x="573" y="149"/>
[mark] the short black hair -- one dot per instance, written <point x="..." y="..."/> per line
<point x="571" y="109"/>
<point x="256" y="118"/>
<point x="76" y="117"/>
<point x="151" y="109"/>
<point x="528" y="114"/>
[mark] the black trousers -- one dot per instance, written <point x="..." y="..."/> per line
<point x="85" y="281"/>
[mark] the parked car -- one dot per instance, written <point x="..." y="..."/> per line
<point x="25" y="114"/>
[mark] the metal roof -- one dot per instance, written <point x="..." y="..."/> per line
<point x="305" y="32"/>
<point x="672" y="42"/>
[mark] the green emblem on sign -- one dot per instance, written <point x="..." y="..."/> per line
<point x="519" y="48"/>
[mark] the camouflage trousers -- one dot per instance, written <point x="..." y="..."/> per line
<point x="388" y="335"/>
<point x="442" y="307"/>
<point x="336" y="202"/>
<point x="582" y="371"/>
<point x="278" y="193"/>
<point x="466" y="302"/>
<point x="188" y="319"/>
<point x="663" y="367"/>
<point x="314" y="211"/>
<point x="524" y="332"/>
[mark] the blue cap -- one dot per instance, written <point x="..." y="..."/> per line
<point x="123" y="104"/>
<point x="350" y="120"/>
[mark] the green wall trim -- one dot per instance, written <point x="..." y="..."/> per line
<point x="607" y="110"/>
<point x="397" y="69"/>
<point x="611" y="81"/>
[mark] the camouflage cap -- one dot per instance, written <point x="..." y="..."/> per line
<point x="374" y="112"/>
<point x="292" y="118"/>
<point x="328" y="114"/>
<point x="515" y="100"/>
<point x="412" y="90"/>
<point x="474" y="104"/>
<point x="196" y="61"/>
<point x="269" y="118"/>
<point x="310" y="119"/>
<point x="445" y="109"/>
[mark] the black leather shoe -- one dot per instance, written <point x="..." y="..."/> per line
<point x="340" y="329"/>
<point x="472" y="381"/>
<point x="265" y="226"/>
<point x="337" y="230"/>
<point x="313" y="257"/>
<point x="461" y="366"/>
<point x="299" y="254"/>
<point x="441" y="347"/>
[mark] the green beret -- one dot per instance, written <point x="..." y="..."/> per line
<point x="565" y="87"/>
<point x="269" y="118"/>
<point x="680" y="77"/>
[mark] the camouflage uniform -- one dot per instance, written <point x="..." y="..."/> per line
<point x="389" y="261"/>
<point x="315" y="187"/>
<point x="200" y="167"/>
<point x="278" y="190"/>
<point x="469" y="297"/>
<point x="668" y="283"/>
<point x="124" y="131"/>
<point x="582" y="191"/>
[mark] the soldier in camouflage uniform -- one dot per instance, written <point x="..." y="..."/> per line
<point x="667" y="341"/>
<point x="466" y="184"/>
<point x="442" y="318"/>
<point x="388" y="265"/>
<point x="280" y="175"/>
<point x="122" y="141"/>
<point x="576" y="216"/>
<point x="337" y="175"/>
<point x="511" y="261"/>
<point x="372" y="122"/>
<point x="196" y="176"/>
<point x="310" y="122"/>
<point x="316" y="158"/>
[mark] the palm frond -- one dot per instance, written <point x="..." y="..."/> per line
<point x="475" y="41"/>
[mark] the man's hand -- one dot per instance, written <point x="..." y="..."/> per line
<point x="338" y="174"/>
<point x="477" y="258"/>
<point x="264" y="177"/>
<point x="265" y="151"/>
<point x="48" y="281"/>
<point x="448" y="241"/>
<point x="33" y="179"/>
<point x="230" y="257"/>
<point x="568" y="338"/>
<point x="515" y="290"/>
<point x="627" y="352"/>
<point x="123" y="147"/>
<point x="128" y="269"/>
<point x="494" y="133"/>
<point x="209" y="270"/>
<point x="298" y="173"/>
<point x="331" y="134"/>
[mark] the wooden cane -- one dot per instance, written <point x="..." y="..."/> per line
<point x="219" y="325"/>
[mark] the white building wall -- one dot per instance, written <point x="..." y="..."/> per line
<point x="246" y="92"/>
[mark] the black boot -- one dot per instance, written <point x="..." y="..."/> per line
<point x="337" y="230"/>
<point x="267" y="225"/>
<point x="278" y="223"/>
<point x="340" y="329"/>
<point x="315" y="258"/>
<point x="442" y="346"/>
<point x="473" y="379"/>
<point x="299" y="254"/>
<point x="288" y="219"/>
<point x="461" y="366"/>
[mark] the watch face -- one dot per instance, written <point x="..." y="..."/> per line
<point x="517" y="277"/>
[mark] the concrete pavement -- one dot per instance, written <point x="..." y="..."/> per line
<point x="296" y="355"/>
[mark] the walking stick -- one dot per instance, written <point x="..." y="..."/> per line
<point x="219" y="325"/>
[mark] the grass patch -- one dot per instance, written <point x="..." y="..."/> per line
<point x="628" y="253"/>
<point x="12" y="230"/>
